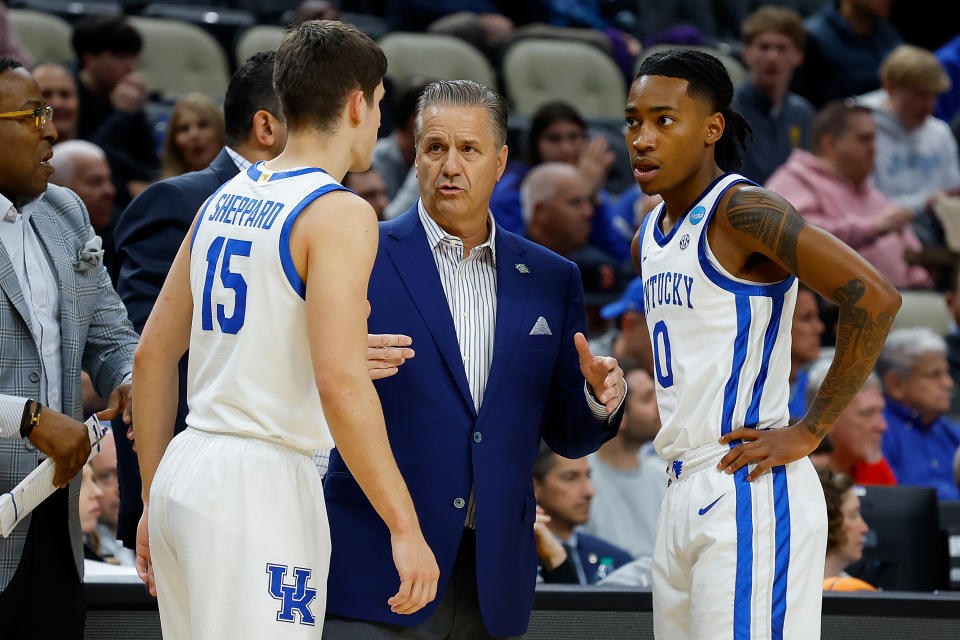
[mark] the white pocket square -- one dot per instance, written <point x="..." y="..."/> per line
<point x="541" y="328"/>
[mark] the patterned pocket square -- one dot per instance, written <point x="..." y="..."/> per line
<point x="541" y="328"/>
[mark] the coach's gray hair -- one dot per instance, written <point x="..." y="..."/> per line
<point x="464" y="93"/>
<point x="905" y="346"/>
<point x="540" y="185"/>
<point x="818" y="371"/>
<point x="65" y="156"/>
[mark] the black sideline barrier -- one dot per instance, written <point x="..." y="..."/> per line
<point x="122" y="611"/>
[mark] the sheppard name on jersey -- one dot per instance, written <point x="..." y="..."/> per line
<point x="243" y="211"/>
<point x="668" y="288"/>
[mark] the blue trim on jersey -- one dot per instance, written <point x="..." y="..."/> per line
<point x="724" y="282"/>
<point x="661" y="239"/>
<point x="781" y="507"/>
<point x="769" y="340"/>
<point x="254" y="172"/>
<point x="203" y="212"/>
<point x="643" y="235"/>
<point x="286" y="260"/>
<point x="743" y="587"/>
<point x="739" y="357"/>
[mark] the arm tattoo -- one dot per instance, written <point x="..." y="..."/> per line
<point x="860" y="338"/>
<point x="769" y="219"/>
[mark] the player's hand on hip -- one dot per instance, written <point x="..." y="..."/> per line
<point x="119" y="404"/>
<point x="65" y="441"/>
<point x="144" y="564"/>
<point x="603" y="374"/>
<point x="418" y="573"/>
<point x="386" y="352"/>
<point x="767" y="448"/>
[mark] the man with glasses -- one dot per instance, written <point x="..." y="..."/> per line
<point x="58" y="315"/>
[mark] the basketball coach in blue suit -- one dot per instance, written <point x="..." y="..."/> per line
<point x="493" y="318"/>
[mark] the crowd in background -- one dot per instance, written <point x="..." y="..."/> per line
<point x="854" y="115"/>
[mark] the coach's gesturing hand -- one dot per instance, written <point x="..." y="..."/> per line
<point x="767" y="448"/>
<point x="418" y="571"/>
<point x="603" y="375"/>
<point x="386" y="352"/>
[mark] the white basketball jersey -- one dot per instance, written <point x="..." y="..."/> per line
<point x="721" y="345"/>
<point x="250" y="368"/>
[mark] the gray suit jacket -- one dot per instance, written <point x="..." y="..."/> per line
<point x="95" y="336"/>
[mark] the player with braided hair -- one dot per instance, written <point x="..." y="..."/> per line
<point x="739" y="551"/>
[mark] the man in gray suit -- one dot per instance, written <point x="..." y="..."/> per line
<point x="58" y="315"/>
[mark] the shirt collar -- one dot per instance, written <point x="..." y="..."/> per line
<point x="908" y="415"/>
<point x="436" y="235"/>
<point x="8" y="212"/>
<point x="242" y="163"/>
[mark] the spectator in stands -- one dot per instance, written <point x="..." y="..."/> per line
<point x="393" y="155"/>
<point x="104" y="466"/>
<point x="112" y="98"/>
<point x="629" y="341"/>
<point x="82" y="167"/>
<point x="952" y="300"/>
<point x="564" y="492"/>
<point x="920" y="442"/>
<point x="773" y="39"/>
<point x="150" y="231"/>
<point x="59" y="89"/>
<point x="831" y="189"/>
<point x="948" y="104"/>
<point x="916" y="161"/>
<point x="845" y="531"/>
<point x="857" y="433"/>
<point x="194" y="136"/>
<point x="370" y="186"/>
<point x="628" y="475"/>
<point x="846" y="42"/>
<point x="805" y="333"/>
<point x="90" y="494"/>
<point x="558" y="133"/>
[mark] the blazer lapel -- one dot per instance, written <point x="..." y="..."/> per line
<point x="406" y="244"/>
<point x="11" y="285"/>
<point x="512" y="289"/>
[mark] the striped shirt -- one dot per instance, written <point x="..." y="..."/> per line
<point x="470" y="286"/>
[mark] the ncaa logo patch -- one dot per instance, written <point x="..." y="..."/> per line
<point x="296" y="597"/>
<point x="697" y="215"/>
<point x="684" y="241"/>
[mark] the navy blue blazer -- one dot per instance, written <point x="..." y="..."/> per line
<point x="444" y="447"/>
<point x="146" y="239"/>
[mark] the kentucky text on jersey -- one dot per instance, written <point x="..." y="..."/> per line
<point x="668" y="288"/>
<point x="244" y="211"/>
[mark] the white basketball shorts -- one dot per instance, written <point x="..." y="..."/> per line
<point x="738" y="560"/>
<point x="239" y="539"/>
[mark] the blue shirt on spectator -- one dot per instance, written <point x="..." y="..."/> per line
<point x="776" y="131"/>
<point x="609" y="232"/>
<point x="798" y="395"/>
<point x="948" y="104"/>
<point x="839" y="62"/>
<point x="921" y="455"/>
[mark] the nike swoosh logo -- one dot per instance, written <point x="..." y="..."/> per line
<point x="710" y="506"/>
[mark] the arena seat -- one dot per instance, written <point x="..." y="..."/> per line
<point x="71" y="10"/>
<point x="178" y="58"/>
<point x="540" y="70"/>
<point x="220" y="22"/>
<point x="46" y="37"/>
<point x="738" y="73"/>
<point x="256" y="39"/>
<point x="435" y="57"/>
<point x="923" y="309"/>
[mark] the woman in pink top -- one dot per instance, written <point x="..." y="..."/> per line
<point x="830" y="188"/>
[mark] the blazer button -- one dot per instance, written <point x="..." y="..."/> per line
<point x="477" y="436"/>
<point x="459" y="503"/>
<point x="34" y="376"/>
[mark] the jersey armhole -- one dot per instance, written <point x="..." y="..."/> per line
<point x="286" y="259"/>
<point x="719" y="276"/>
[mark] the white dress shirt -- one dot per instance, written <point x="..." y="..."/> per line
<point x="41" y="293"/>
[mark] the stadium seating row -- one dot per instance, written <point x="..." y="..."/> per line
<point x="179" y="57"/>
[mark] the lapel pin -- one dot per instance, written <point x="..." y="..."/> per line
<point x="522" y="268"/>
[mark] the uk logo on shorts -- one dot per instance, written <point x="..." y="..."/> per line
<point x="697" y="215"/>
<point x="295" y="597"/>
